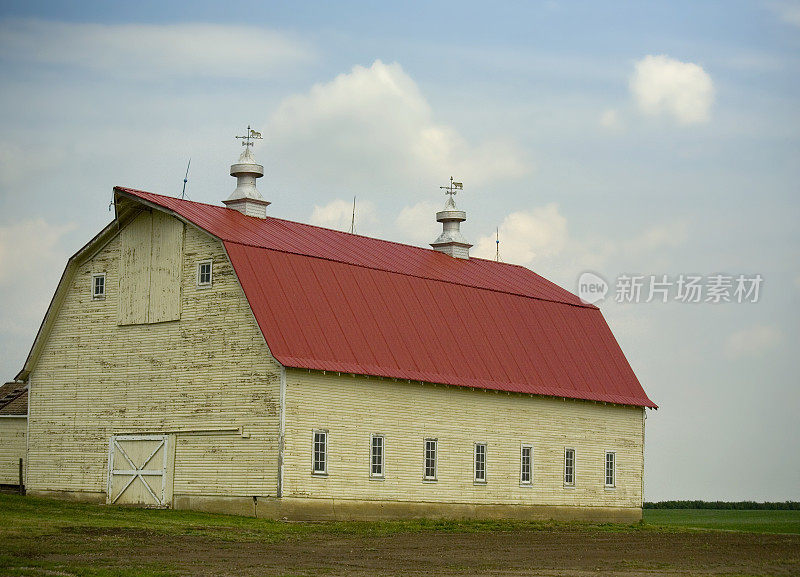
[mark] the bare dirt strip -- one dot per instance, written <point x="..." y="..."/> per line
<point x="558" y="552"/>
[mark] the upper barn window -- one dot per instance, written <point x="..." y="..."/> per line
<point x="204" y="271"/>
<point x="99" y="286"/>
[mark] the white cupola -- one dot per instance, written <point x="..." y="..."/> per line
<point x="246" y="198"/>
<point x="451" y="241"/>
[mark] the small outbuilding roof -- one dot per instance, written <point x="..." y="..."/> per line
<point x="14" y="399"/>
<point x="333" y="301"/>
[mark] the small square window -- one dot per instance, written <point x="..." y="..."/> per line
<point x="320" y="453"/>
<point x="526" y="465"/>
<point x="569" y="467"/>
<point x="430" y="459"/>
<point x="376" y="456"/>
<point x="99" y="286"/>
<point x="480" y="463"/>
<point x="204" y="270"/>
<point x="611" y="469"/>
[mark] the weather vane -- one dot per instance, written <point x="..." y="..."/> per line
<point x="251" y="135"/>
<point x="453" y="187"/>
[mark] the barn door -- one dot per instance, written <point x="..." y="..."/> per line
<point x="137" y="470"/>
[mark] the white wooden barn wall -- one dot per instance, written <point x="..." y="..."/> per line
<point x="353" y="408"/>
<point x="12" y="448"/>
<point x="211" y="370"/>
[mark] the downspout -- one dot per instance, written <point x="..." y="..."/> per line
<point x="644" y="418"/>
<point x="281" y="429"/>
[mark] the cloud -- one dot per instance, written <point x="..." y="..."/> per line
<point x="660" y="236"/>
<point x="752" y="342"/>
<point x="28" y="277"/>
<point x="663" y="85"/>
<point x="376" y="120"/>
<point x="610" y="119"/>
<point x="418" y="224"/>
<point x="788" y="12"/>
<point x="526" y="236"/>
<point x="338" y="214"/>
<point x="152" y="50"/>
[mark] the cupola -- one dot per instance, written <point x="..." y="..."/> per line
<point x="451" y="241"/>
<point x="246" y="198"/>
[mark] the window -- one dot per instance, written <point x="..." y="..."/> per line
<point x="526" y="465"/>
<point x="480" y="462"/>
<point x="430" y="459"/>
<point x="376" y="457"/>
<point x="569" y="467"/>
<point x="99" y="286"/>
<point x="204" y="274"/>
<point x="611" y="465"/>
<point x="320" y="465"/>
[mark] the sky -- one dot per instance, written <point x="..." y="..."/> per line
<point x="625" y="140"/>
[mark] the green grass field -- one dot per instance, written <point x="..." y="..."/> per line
<point x="726" y="520"/>
<point x="43" y="537"/>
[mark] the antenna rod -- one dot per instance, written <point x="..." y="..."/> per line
<point x="353" y="221"/>
<point x="186" y="179"/>
<point x="497" y="254"/>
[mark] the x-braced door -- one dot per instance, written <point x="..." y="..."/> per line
<point x="137" y="470"/>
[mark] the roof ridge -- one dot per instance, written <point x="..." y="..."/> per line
<point x="305" y="224"/>
<point x="579" y="304"/>
<point x="384" y="269"/>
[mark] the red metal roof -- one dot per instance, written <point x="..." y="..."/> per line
<point x="329" y="300"/>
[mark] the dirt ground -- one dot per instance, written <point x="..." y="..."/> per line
<point x="552" y="553"/>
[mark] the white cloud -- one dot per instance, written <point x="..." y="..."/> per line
<point x="42" y="249"/>
<point x="753" y="341"/>
<point x="659" y="236"/>
<point x="152" y="50"/>
<point x="663" y="85"/>
<point x="526" y="236"/>
<point x="417" y="223"/>
<point x="32" y="250"/>
<point x="788" y="12"/>
<point x="610" y="119"/>
<point x="376" y="121"/>
<point x="338" y="214"/>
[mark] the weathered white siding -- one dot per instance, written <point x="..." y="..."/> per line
<point x="352" y="408"/>
<point x="12" y="448"/>
<point x="208" y="377"/>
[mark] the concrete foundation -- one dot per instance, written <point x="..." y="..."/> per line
<point x="306" y="509"/>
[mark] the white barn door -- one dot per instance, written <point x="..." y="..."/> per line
<point x="137" y="470"/>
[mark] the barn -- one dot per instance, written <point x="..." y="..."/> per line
<point x="216" y="358"/>
<point x="13" y="429"/>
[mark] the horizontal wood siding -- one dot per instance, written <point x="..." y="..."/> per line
<point x="12" y="448"/>
<point x="352" y="408"/>
<point x="209" y="370"/>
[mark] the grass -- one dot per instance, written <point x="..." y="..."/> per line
<point x="41" y="537"/>
<point x="32" y="516"/>
<point x="762" y="521"/>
